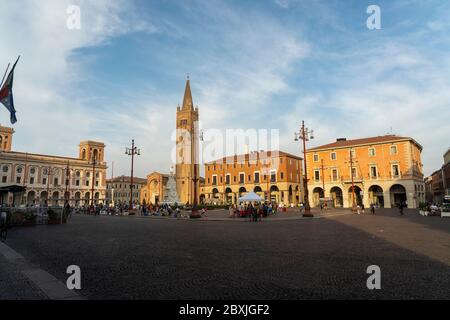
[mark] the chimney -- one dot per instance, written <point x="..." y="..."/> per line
<point x="341" y="139"/>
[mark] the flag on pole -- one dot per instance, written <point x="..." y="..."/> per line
<point x="6" y="94"/>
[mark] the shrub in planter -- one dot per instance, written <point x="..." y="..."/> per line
<point x="17" y="218"/>
<point x="53" y="217"/>
<point x="30" y="219"/>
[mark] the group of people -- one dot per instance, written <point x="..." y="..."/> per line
<point x="253" y="210"/>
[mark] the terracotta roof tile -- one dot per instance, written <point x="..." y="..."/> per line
<point x="363" y="141"/>
<point x="255" y="155"/>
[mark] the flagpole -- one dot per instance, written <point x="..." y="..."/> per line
<point x="7" y="68"/>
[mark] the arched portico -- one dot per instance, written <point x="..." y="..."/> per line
<point x="337" y="196"/>
<point x="317" y="194"/>
<point x="398" y="195"/>
<point x="376" y="196"/>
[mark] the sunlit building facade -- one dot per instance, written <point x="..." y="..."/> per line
<point x="275" y="176"/>
<point x="47" y="179"/>
<point x="386" y="170"/>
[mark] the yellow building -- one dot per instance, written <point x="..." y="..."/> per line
<point x="273" y="175"/>
<point x="386" y="170"/>
<point x="52" y="179"/>
<point x="118" y="190"/>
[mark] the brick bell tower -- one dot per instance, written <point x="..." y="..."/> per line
<point x="187" y="148"/>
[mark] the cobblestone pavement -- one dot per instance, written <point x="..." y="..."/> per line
<point x="325" y="258"/>
<point x="15" y="285"/>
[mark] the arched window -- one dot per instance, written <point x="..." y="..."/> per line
<point x="83" y="154"/>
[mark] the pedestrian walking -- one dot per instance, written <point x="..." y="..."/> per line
<point x="372" y="208"/>
<point x="401" y="206"/>
<point x="362" y="208"/>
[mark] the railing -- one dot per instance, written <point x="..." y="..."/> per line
<point x="18" y="216"/>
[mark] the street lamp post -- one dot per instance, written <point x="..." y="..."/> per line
<point x="195" y="179"/>
<point x="132" y="152"/>
<point x="305" y="135"/>
<point x="354" y="207"/>
<point x="48" y="185"/>
<point x="94" y="163"/>
<point x="67" y="192"/>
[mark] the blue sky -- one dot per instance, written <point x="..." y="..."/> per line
<point x="252" y="64"/>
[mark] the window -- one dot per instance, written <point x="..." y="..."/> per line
<point x="393" y="149"/>
<point x="354" y="174"/>
<point x="19" y="170"/>
<point x="316" y="175"/>
<point x="214" y="180"/>
<point x="32" y="170"/>
<point x="373" y="172"/>
<point x="316" y="157"/>
<point x="55" y="181"/>
<point x="17" y="179"/>
<point x="352" y="153"/>
<point x="221" y="179"/>
<point x="249" y="177"/>
<point x="88" y="174"/>
<point x="395" y="171"/>
<point x="282" y="175"/>
<point x="371" y="152"/>
<point x="241" y="177"/>
<point x="87" y="183"/>
<point x="333" y="156"/>
<point x="234" y="178"/>
<point x="77" y="182"/>
<point x="334" y="174"/>
<point x="256" y="177"/>
<point x="44" y="180"/>
<point x="4" y="179"/>
<point x="32" y="180"/>
<point x="96" y="183"/>
<point x="227" y="179"/>
<point x="5" y="168"/>
<point x="273" y="176"/>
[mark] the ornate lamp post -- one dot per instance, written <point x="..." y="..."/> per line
<point x="195" y="179"/>
<point x="94" y="162"/>
<point x="305" y="135"/>
<point x="68" y="176"/>
<point x="132" y="152"/>
<point x="354" y="206"/>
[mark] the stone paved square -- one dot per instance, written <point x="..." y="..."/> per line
<point x="321" y="258"/>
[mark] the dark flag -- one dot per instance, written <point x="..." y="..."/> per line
<point x="6" y="94"/>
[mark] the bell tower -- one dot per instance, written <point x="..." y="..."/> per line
<point x="90" y="149"/>
<point x="6" y="138"/>
<point x="187" y="148"/>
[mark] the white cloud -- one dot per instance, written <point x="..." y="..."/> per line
<point x="49" y="119"/>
